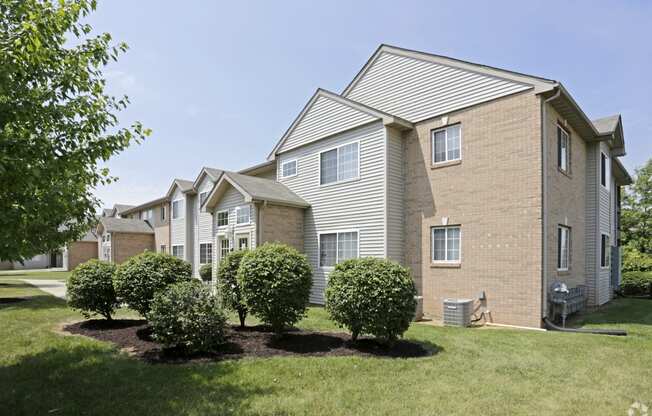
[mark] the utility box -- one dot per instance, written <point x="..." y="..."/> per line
<point x="457" y="312"/>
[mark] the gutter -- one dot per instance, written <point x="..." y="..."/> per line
<point x="544" y="202"/>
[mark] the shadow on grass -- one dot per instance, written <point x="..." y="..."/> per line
<point x="623" y="311"/>
<point x="36" y="302"/>
<point x="14" y="285"/>
<point x="93" y="380"/>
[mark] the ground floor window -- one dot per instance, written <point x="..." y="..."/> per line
<point x="177" y="251"/>
<point x="225" y="247"/>
<point x="446" y="244"/>
<point x="563" y="247"/>
<point x="337" y="247"/>
<point x="605" y="252"/>
<point x="164" y="248"/>
<point x="243" y="242"/>
<point x="205" y="253"/>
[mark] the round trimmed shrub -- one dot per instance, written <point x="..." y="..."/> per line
<point x="635" y="261"/>
<point x="275" y="281"/>
<point x="139" y="278"/>
<point x="371" y="296"/>
<point x="228" y="287"/>
<point x="636" y="283"/>
<point x="185" y="315"/>
<point x="90" y="289"/>
<point x="206" y="272"/>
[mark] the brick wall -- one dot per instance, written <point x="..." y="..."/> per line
<point x="282" y="224"/>
<point x="80" y="252"/>
<point x="125" y="245"/>
<point x="494" y="193"/>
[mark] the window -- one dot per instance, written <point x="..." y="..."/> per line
<point x="243" y="215"/>
<point x="563" y="149"/>
<point x="339" y="164"/>
<point x="289" y="168"/>
<point x="163" y="249"/>
<point x="163" y="213"/>
<point x="563" y="248"/>
<point x="447" y="144"/>
<point x="243" y="243"/>
<point x="605" y="254"/>
<point x="446" y="245"/>
<point x="202" y="198"/>
<point x="604" y="170"/>
<point x="205" y="253"/>
<point x="147" y="214"/>
<point x="225" y="247"/>
<point x="337" y="247"/>
<point x="222" y="218"/>
<point x="177" y="251"/>
<point x="177" y="209"/>
<point x="108" y="238"/>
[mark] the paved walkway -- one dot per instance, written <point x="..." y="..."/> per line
<point x="54" y="287"/>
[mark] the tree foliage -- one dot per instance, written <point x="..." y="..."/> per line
<point x="90" y="288"/>
<point x="228" y="287"/>
<point x="636" y="220"/>
<point x="57" y="124"/>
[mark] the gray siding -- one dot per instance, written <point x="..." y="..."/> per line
<point x="592" y="241"/>
<point x="177" y="226"/>
<point x="203" y="230"/>
<point x="230" y="201"/>
<point x="395" y="197"/>
<point x="191" y="215"/>
<point x="604" y="275"/>
<point x="417" y="90"/>
<point x="355" y="205"/>
<point x="324" y="118"/>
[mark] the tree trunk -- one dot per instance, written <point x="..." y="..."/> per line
<point x="242" y="315"/>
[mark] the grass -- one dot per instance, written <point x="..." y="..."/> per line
<point x="26" y="274"/>
<point x="476" y="371"/>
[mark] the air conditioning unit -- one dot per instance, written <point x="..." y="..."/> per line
<point x="457" y="312"/>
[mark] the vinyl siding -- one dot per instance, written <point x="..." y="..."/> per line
<point x="604" y="275"/>
<point x="395" y="197"/>
<point x="417" y="90"/>
<point x="592" y="241"/>
<point x="230" y="201"/>
<point x="178" y="225"/>
<point x="324" y="118"/>
<point x="350" y="205"/>
<point x="204" y="224"/>
<point x="191" y="214"/>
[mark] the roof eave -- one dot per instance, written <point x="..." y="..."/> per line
<point x="281" y="202"/>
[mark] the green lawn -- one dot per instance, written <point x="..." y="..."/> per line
<point x="477" y="371"/>
<point x="27" y="274"/>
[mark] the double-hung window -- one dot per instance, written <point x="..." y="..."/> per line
<point x="604" y="170"/>
<point x="446" y="244"/>
<point x="289" y="169"/>
<point x="163" y="213"/>
<point x="339" y="164"/>
<point x="605" y="253"/>
<point x="205" y="253"/>
<point x="243" y="215"/>
<point x="225" y="247"/>
<point x="177" y="251"/>
<point x="202" y="198"/>
<point x="177" y="209"/>
<point x="222" y="218"/>
<point x="337" y="247"/>
<point x="563" y="150"/>
<point x="447" y="144"/>
<point x="563" y="248"/>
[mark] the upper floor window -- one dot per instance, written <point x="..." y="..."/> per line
<point x="447" y="144"/>
<point x="222" y="218"/>
<point x="163" y="213"/>
<point x="563" y="149"/>
<point x="243" y="215"/>
<point x="446" y="245"/>
<point x="177" y="209"/>
<point x="604" y="170"/>
<point x="289" y="169"/>
<point x="202" y="198"/>
<point x="337" y="247"/>
<point x="147" y="214"/>
<point x="605" y="252"/>
<point x="563" y="247"/>
<point x="339" y="164"/>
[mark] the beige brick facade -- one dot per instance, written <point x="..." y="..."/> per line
<point x="125" y="245"/>
<point x="494" y="194"/>
<point x="282" y="224"/>
<point x="80" y="252"/>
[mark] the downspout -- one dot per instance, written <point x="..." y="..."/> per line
<point x="544" y="201"/>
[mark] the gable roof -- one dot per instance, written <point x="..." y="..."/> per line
<point x="184" y="185"/>
<point x="108" y="212"/>
<point x="147" y="204"/>
<point x="89" y="236"/>
<point x="268" y="165"/>
<point x="212" y="173"/>
<point x="606" y="125"/>
<point x="121" y="208"/>
<point x="124" y="225"/>
<point x="344" y="114"/>
<point x="254" y="189"/>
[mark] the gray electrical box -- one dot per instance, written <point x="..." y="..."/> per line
<point x="457" y="312"/>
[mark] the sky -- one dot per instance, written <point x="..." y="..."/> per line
<point x="220" y="82"/>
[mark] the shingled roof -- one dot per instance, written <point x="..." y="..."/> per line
<point x="124" y="225"/>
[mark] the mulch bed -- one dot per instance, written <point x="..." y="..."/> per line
<point x="134" y="336"/>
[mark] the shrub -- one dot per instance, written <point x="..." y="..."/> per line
<point x="185" y="315"/>
<point x="371" y="296"/>
<point x="206" y="272"/>
<point x="228" y="287"/>
<point x="90" y="288"/>
<point x="275" y="281"/>
<point x="635" y="261"/>
<point x="636" y="283"/>
<point x="140" y="277"/>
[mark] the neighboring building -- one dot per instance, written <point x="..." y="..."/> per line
<point x="121" y="238"/>
<point x="80" y="251"/>
<point x="117" y="211"/>
<point x="486" y="183"/>
<point x="157" y="215"/>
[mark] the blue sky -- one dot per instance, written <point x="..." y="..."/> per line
<point x="220" y="82"/>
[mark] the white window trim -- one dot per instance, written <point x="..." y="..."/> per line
<point x="607" y="251"/>
<point x="182" y="213"/>
<point x="568" y="144"/>
<point x="199" y="199"/>
<point x="236" y="215"/>
<point x="296" y="168"/>
<point x="432" y="144"/>
<point x="163" y="213"/>
<point x="211" y="256"/>
<point x="238" y="236"/>
<point x="217" y="217"/>
<point x="337" y="242"/>
<point x="178" y="245"/>
<point x="568" y="260"/>
<point x="432" y="245"/>
<point x="607" y="173"/>
<point x="337" y="182"/>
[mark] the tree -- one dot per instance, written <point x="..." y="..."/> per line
<point x="56" y="123"/>
<point x="636" y="220"/>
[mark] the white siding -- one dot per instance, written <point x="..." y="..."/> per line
<point x="324" y="118"/>
<point x="592" y="238"/>
<point x="230" y="201"/>
<point x="417" y="90"/>
<point x="203" y="226"/>
<point x="395" y="197"/>
<point x="350" y="205"/>
<point x="177" y="226"/>
<point x="191" y="215"/>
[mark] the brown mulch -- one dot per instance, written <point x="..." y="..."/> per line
<point x="134" y="336"/>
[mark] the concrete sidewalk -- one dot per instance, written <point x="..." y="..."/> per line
<point x="54" y="287"/>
